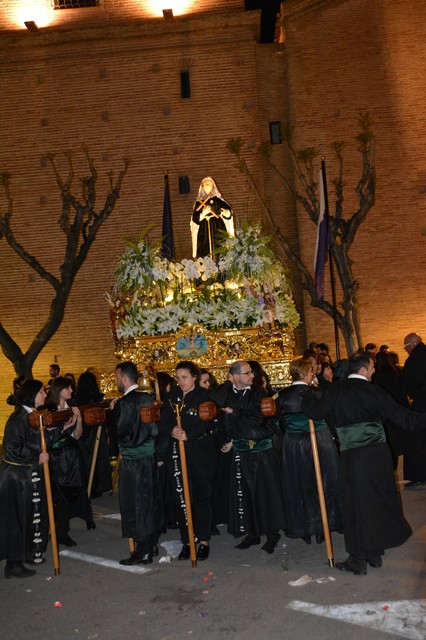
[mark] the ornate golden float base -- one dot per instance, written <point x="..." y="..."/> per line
<point x="213" y="350"/>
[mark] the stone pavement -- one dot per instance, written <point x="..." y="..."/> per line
<point x="233" y="595"/>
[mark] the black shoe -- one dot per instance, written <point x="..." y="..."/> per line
<point x="319" y="538"/>
<point x="155" y="551"/>
<point x="215" y="531"/>
<point x="249" y="541"/>
<point x="185" y="552"/>
<point x="306" y="539"/>
<point x="135" y="558"/>
<point x="354" y="565"/>
<point x="67" y="541"/>
<point x="90" y="524"/>
<point x="271" y="543"/>
<point x="375" y="561"/>
<point x="17" y="570"/>
<point x="203" y="552"/>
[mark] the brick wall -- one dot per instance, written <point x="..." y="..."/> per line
<point x="347" y="57"/>
<point x="116" y="90"/>
<point x="114" y="85"/>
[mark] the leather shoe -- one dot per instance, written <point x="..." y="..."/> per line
<point x="185" y="552"/>
<point x="375" y="561"/>
<point x="249" y="541"/>
<point x="67" y="541"/>
<point x="17" y="570"/>
<point x="203" y="552"/>
<point x="355" y="566"/>
<point x="135" y="558"/>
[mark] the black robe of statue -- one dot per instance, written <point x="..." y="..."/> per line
<point x="212" y="224"/>
<point x="21" y="478"/>
<point x="413" y="384"/>
<point x="369" y="503"/>
<point x="201" y="459"/>
<point x="138" y="486"/>
<point x="303" y="511"/>
<point x="256" y="500"/>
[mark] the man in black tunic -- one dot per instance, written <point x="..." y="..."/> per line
<point x="256" y="500"/>
<point x="370" y="507"/>
<point x="412" y="384"/>
<point x="138" y="474"/>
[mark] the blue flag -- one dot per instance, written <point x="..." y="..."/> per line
<point x="168" y="249"/>
<point x="323" y="237"/>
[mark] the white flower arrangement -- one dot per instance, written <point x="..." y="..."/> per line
<point x="247" y="287"/>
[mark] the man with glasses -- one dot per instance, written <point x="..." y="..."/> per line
<point x="256" y="500"/>
<point x="413" y="384"/>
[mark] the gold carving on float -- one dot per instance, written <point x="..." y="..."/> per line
<point x="272" y="348"/>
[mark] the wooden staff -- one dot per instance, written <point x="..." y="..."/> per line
<point x="318" y="474"/>
<point x="94" y="459"/>
<point x="52" y="525"/>
<point x="186" y="493"/>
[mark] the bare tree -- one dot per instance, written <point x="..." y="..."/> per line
<point x="80" y="223"/>
<point x="342" y="229"/>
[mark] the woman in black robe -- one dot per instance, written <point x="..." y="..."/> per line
<point x="69" y="480"/>
<point x="23" y="521"/>
<point x="88" y="393"/>
<point x="303" y="511"/>
<point x="201" y="455"/>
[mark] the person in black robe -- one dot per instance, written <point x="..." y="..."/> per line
<point x="201" y="456"/>
<point x="412" y="384"/>
<point x="138" y="485"/>
<point x="220" y="496"/>
<point x="23" y="514"/>
<point x="369" y="504"/>
<point x="303" y="511"/>
<point x="87" y="393"/>
<point x="67" y="470"/>
<point x="256" y="500"/>
<point x="211" y="215"/>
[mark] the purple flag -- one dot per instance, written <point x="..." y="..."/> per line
<point x="323" y="238"/>
<point x="168" y="248"/>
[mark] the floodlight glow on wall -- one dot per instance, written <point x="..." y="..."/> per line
<point x="168" y="14"/>
<point x="31" y="26"/>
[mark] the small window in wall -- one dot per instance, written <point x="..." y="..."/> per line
<point x="275" y="132"/>
<point x="74" y="4"/>
<point x="185" y="84"/>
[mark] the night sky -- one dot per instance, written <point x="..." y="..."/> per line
<point x="269" y="10"/>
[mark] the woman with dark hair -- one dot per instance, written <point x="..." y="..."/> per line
<point x="325" y="376"/>
<point x="69" y="481"/>
<point x="303" y="512"/>
<point x="23" y="522"/>
<point x="201" y="455"/>
<point x="88" y="393"/>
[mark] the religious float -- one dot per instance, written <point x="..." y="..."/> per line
<point x="212" y="310"/>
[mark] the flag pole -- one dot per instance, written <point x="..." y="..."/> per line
<point x="330" y="260"/>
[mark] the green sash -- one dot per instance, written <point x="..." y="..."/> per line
<point x="242" y="445"/>
<point x="360" y="434"/>
<point x="136" y="453"/>
<point x="298" y="423"/>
